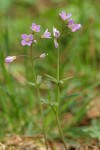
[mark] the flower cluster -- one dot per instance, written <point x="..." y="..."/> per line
<point x="29" y="39"/>
<point x="70" y="24"/>
<point x="73" y="26"/>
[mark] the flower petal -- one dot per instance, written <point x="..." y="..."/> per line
<point x="29" y="43"/>
<point x="68" y="16"/>
<point x="46" y="34"/>
<point x="38" y="28"/>
<point x="76" y="27"/>
<point x="70" y="21"/>
<point x="24" y="36"/>
<point x="30" y="36"/>
<point x="64" y="15"/>
<point x="23" y="42"/>
<point x="33" y="25"/>
<point x="56" y="33"/>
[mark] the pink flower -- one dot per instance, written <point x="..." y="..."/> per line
<point x="56" y="33"/>
<point x="76" y="27"/>
<point x="70" y="21"/>
<point x="56" y="43"/>
<point x="9" y="59"/>
<point x="64" y="15"/>
<point x="73" y="26"/>
<point x="27" y="39"/>
<point x="46" y="34"/>
<point x="35" y="28"/>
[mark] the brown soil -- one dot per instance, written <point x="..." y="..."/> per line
<point x="37" y="143"/>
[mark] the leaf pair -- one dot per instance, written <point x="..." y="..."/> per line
<point x="55" y="80"/>
<point x="51" y="103"/>
<point x="38" y="81"/>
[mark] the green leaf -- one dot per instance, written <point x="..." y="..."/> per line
<point x="67" y="78"/>
<point x="73" y="95"/>
<point x="45" y="101"/>
<point x="30" y="83"/>
<point x="39" y="79"/>
<point x="51" y="103"/>
<point x="4" y="89"/>
<point x="54" y="103"/>
<point x="93" y="129"/>
<point x="51" y="78"/>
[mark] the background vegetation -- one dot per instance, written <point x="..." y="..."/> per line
<point x="80" y="58"/>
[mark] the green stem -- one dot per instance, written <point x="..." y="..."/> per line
<point x="38" y="92"/>
<point x="60" y="130"/>
<point x="58" y="100"/>
<point x="58" y="64"/>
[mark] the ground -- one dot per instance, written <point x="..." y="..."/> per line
<point x="37" y="143"/>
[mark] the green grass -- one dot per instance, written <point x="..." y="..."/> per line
<point x="79" y="52"/>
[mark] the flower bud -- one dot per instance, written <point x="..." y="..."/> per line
<point x="43" y="55"/>
<point x="9" y="59"/>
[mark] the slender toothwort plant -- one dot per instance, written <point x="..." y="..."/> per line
<point x="67" y="23"/>
<point x="39" y="98"/>
<point x="29" y="40"/>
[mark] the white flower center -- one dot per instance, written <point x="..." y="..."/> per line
<point x="27" y="39"/>
<point x="35" y="28"/>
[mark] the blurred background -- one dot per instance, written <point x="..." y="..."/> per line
<point x="79" y="57"/>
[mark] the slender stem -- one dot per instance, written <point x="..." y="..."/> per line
<point x="60" y="130"/>
<point x="23" y="56"/>
<point x="58" y="64"/>
<point x="28" y="56"/>
<point x="38" y="92"/>
<point x="63" y="29"/>
<point x="58" y="100"/>
<point x="66" y="34"/>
